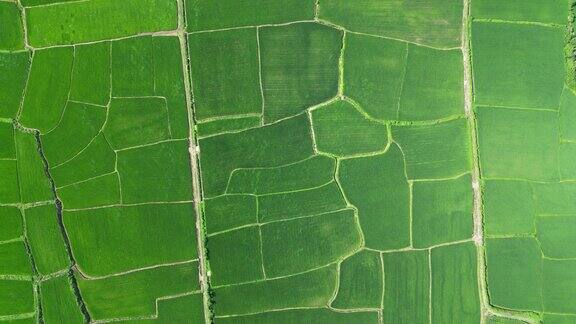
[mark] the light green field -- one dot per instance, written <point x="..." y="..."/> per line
<point x="514" y="273"/>
<point x="377" y="186"/>
<point x="86" y="21"/>
<point x="14" y="259"/>
<point x="341" y="130"/>
<point x="12" y="37"/>
<point x="551" y="12"/>
<point x="454" y="284"/>
<point x="79" y="124"/>
<point x="91" y="73"/>
<point x="553" y="199"/>
<point x="309" y="173"/>
<point x="435" y="151"/>
<point x="508" y="207"/>
<point x="45" y="239"/>
<point x="34" y="186"/>
<point x="273" y="145"/>
<point x="296" y="316"/>
<point x="524" y="81"/>
<point x="11" y="223"/>
<point x="47" y="88"/>
<point x="310" y="289"/>
<point x="442" y="211"/>
<point x="13" y="71"/>
<point x="433" y="23"/>
<point x="361" y="283"/>
<point x="407" y="287"/>
<point x="229" y="211"/>
<point x="164" y="175"/>
<point x="235" y="256"/>
<point x="149" y="235"/>
<point x="556" y="236"/>
<point x="135" y="294"/>
<point x="304" y="75"/>
<point x="220" y="126"/>
<point x="96" y="159"/>
<point x="518" y="144"/>
<point x="137" y="121"/>
<point x="307" y="243"/>
<point x="225" y="70"/>
<point x="16" y="297"/>
<point x="558" y="286"/>
<point x="296" y="204"/>
<point x="59" y="302"/>
<point x="100" y="191"/>
<point x="567" y="115"/>
<point x="208" y="15"/>
<point x="374" y="71"/>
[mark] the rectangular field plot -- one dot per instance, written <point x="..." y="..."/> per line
<point x="135" y="294"/>
<point x="85" y="21"/>
<point x="59" y="302"/>
<point x="551" y="11"/>
<point x="13" y="73"/>
<point x="361" y="284"/>
<point x="433" y="23"/>
<point x="296" y="316"/>
<point x="531" y="69"/>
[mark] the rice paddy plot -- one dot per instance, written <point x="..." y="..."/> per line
<point x="525" y="81"/>
<point x="296" y="316"/>
<point x="163" y="176"/>
<point x="303" y="244"/>
<point x="558" y="286"/>
<point x="566" y="155"/>
<point x="299" y="67"/>
<point x="233" y="124"/>
<point x="11" y="223"/>
<point x="567" y="115"/>
<point x="137" y="121"/>
<point x="436" y="151"/>
<point x="558" y="319"/>
<point x="78" y="125"/>
<point x="14" y="260"/>
<point x="13" y="74"/>
<point x="373" y="74"/>
<point x="508" y="207"/>
<point x="556" y="236"/>
<point x="34" y="185"/>
<point x="302" y="203"/>
<point x="96" y="159"/>
<point x="341" y="130"/>
<point x="149" y="235"/>
<point x="100" y="191"/>
<point x="16" y="297"/>
<point x="225" y="70"/>
<point x="12" y="37"/>
<point x="59" y="303"/>
<point x="548" y="12"/>
<point x="434" y="23"/>
<point x="281" y="143"/>
<point x="555" y="198"/>
<point x="229" y="255"/>
<point x="433" y="84"/>
<point x="85" y="21"/>
<point x="514" y="273"/>
<point x="442" y="211"/>
<point x="135" y="294"/>
<point x="310" y="289"/>
<point x="208" y="15"/>
<point x="518" y="144"/>
<point x="47" y="88"/>
<point x="407" y="287"/>
<point x="91" y="73"/>
<point x="378" y="188"/>
<point x="361" y="284"/>
<point x="454" y="284"/>
<point x="311" y="172"/>
<point x="45" y="239"/>
<point x="229" y="211"/>
<point x="9" y="187"/>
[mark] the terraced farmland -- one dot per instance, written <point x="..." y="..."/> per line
<point x="302" y="161"/>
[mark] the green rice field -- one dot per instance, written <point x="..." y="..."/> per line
<point x="296" y="161"/>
